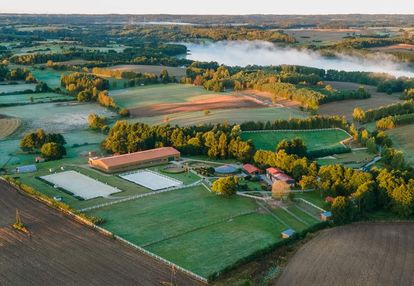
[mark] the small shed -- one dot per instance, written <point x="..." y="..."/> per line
<point x="26" y="169"/>
<point x="325" y="216"/>
<point x="287" y="233"/>
<point x="251" y="169"/>
<point x="39" y="159"/>
<point x="329" y="199"/>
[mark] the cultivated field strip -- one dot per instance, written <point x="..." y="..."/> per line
<point x="358" y="254"/>
<point x="60" y="251"/>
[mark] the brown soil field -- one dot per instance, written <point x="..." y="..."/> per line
<point x="8" y="126"/>
<point x="396" y="47"/>
<point x="60" y="251"/>
<point x="346" y="107"/>
<point x="218" y="102"/>
<point x="172" y="71"/>
<point x="267" y="98"/>
<point x="73" y="62"/>
<point x="358" y="254"/>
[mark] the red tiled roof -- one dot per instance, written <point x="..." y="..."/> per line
<point x="329" y="199"/>
<point x="249" y="168"/>
<point x="274" y="171"/>
<point x="142" y="156"/>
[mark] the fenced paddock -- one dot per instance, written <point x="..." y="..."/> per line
<point x="80" y="185"/>
<point x="151" y="180"/>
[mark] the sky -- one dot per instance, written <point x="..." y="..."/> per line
<point x="208" y="7"/>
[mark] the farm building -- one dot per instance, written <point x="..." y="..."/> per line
<point x="287" y="233"/>
<point x="275" y="174"/>
<point x="119" y="163"/>
<point x="26" y="169"/>
<point x="251" y="169"/>
<point x="326" y="216"/>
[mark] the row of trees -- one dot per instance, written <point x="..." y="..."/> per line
<point x="16" y="74"/>
<point x="383" y="111"/>
<point x="217" y="141"/>
<point x="391" y="122"/>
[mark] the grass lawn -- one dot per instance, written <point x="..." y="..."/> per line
<point x="290" y="220"/>
<point x="310" y="220"/>
<point x="213" y="248"/>
<point x="314" y="140"/>
<point x="403" y="139"/>
<point x="354" y="159"/>
<point x="312" y="197"/>
<point x="186" y="177"/>
<point x="48" y="76"/>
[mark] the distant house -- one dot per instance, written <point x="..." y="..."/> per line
<point x="329" y="199"/>
<point x="143" y="159"/>
<point x="26" y="169"/>
<point x="275" y="174"/>
<point x="325" y="216"/>
<point x="287" y="233"/>
<point x="251" y="169"/>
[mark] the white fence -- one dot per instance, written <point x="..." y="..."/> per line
<point x="310" y="204"/>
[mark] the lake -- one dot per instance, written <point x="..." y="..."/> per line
<point x="243" y="53"/>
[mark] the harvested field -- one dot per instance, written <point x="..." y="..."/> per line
<point x="218" y="102"/>
<point x="172" y="71"/>
<point x="63" y="252"/>
<point x="8" y="125"/>
<point x="359" y="254"/>
<point x="346" y="107"/>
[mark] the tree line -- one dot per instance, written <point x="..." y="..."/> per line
<point x="373" y="114"/>
<point x="50" y="145"/>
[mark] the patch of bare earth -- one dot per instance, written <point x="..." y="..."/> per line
<point x="269" y="98"/>
<point x="8" y="125"/>
<point x="358" y="254"/>
<point x="218" y="102"/>
<point x="60" y="251"/>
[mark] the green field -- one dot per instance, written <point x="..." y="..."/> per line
<point x="28" y="98"/>
<point x="158" y="93"/>
<point x="196" y="229"/>
<point x="49" y="76"/>
<point x="403" y="139"/>
<point x="314" y="140"/>
<point x="236" y="116"/>
<point x="355" y="159"/>
<point x="11" y="88"/>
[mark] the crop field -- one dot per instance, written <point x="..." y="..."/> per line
<point x="11" y="88"/>
<point x="196" y="229"/>
<point x="172" y="71"/>
<point x="237" y="116"/>
<point x="403" y="139"/>
<point x="354" y="159"/>
<point x="8" y="125"/>
<point x="346" y="107"/>
<point x="81" y="256"/>
<point x="28" y="98"/>
<point x="357" y="254"/>
<point x="314" y="140"/>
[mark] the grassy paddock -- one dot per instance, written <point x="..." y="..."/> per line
<point x="403" y="139"/>
<point x="314" y="139"/>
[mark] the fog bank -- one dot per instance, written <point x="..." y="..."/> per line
<point x="243" y="53"/>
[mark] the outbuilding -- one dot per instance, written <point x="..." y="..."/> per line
<point x="287" y="233"/>
<point x="325" y="216"/>
<point x="26" y="169"/>
<point x="251" y="169"/>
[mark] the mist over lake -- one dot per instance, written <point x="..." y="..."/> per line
<point x="243" y="53"/>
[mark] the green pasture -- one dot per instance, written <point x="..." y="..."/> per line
<point x="355" y="159"/>
<point x="186" y="177"/>
<point x="403" y="139"/>
<point x="155" y="94"/>
<point x="312" y="197"/>
<point x="12" y="88"/>
<point x="28" y="98"/>
<point x="196" y="229"/>
<point x="235" y="115"/>
<point x="314" y="140"/>
<point x="49" y="76"/>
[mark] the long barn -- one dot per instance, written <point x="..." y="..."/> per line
<point x="136" y="160"/>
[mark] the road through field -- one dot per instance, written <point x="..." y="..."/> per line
<point x="359" y="254"/>
<point x="63" y="252"/>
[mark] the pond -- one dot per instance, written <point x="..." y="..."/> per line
<point x="243" y="53"/>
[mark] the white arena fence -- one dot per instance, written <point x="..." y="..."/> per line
<point x="150" y="179"/>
